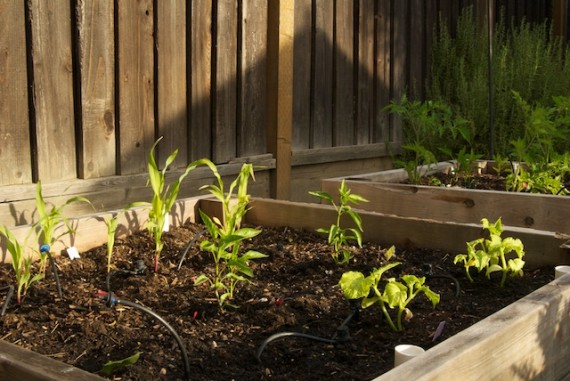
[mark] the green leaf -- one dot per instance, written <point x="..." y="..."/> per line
<point x="355" y="285"/>
<point x="113" y="366"/>
<point x="395" y="294"/>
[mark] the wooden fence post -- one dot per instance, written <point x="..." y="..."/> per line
<point x="280" y="93"/>
<point x="559" y="17"/>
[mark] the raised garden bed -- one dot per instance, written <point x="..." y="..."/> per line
<point x="540" y="313"/>
<point x="387" y="194"/>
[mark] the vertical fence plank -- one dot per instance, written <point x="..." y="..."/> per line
<point x="201" y="77"/>
<point x="53" y="89"/>
<point x="344" y="74"/>
<point x="400" y="41"/>
<point x="252" y="126"/>
<point x="171" y="82"/>
<point x="302" y="79"/>
<point x="281" y="14"/>
<point x="15" y="166"/>
<point x="322" y="75"/>
<point x="383" y="68"/>
<point x="365" y="97"/>
<point x="136" y="84"/>
<point x="225" y="105"/>
<point x="97" y="65"/>
<point x="417" y="49"/>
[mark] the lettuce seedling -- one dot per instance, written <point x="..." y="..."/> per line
<point x="394" y="294"/>
<point x="490" y="254"/>
<point x="337" y="236"/>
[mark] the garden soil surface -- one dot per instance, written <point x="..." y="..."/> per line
<point x="295" y="289"/>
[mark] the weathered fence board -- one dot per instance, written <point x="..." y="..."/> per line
<point x="225" y="104"/>
<point x="135" y="84"/>
<point x="96" y="149"/>
<point x="89" y="85"/>
<point x="252" y="86"/>
<point x="53" y="89"/>
<point x="15" y="163"/>
<point x="201" y="73"/>
<point x="172" y="98"/>
<point x="344" y="74"/>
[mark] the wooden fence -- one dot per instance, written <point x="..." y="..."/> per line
<point x="89" y="85"/>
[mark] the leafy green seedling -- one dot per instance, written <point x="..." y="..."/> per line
<point x="21" y="263"/>
<point x="395" y="295"/>
<point x="227" y="236"/>
<point x="52" y="218"/>
<point x="490" y="254"/>
<point x="337" y="236"/>
<point x="111" y="367"/>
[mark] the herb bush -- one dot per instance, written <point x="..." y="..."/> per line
<point x="527" y="59"/>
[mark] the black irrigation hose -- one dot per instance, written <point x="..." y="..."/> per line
<point x="341" y="335"/>
<point x="196" y="236"/>
<point x="45" y="249"/>
<point x="140" y="268"/>
<point x="450" y="277"/>
<point x="9" y="296"/>
<point x="111" y="301"/>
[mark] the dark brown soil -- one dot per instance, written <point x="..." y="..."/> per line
<point x="294" y="290"/>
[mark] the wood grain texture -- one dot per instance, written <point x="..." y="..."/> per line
<point x="200" y="78"/>
<point x="399" y="60"/>
<point x="344" y="74"/>
<point x="383" y="63"/>
<point x="526" y="340"/>
<point x="225" y="105"/>
<point x="322" y="92"/>
<point x="95" y="21"/>
<point x="53" y="89"/>
<point x="365" y="108"/>
<point x="302" y="56"/>
<point x="417" y="50"/>
<point x="171" y="81"/>
<point x="17" y="363"/>
<point x="136" y="84"/>
<point x="252" y="126"/>
<point x="16" y="163"/>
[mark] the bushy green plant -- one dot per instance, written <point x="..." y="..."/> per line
<point x="391" y="294"/>
<point x="425" y="125"/>
<point x="527" y="59"/>
<point x="337" y="236"/>
<point x="21" y="263"/>
<point x="227" y="236"/>
<point x="491" y="254"/>
<point x="51" y="218"/>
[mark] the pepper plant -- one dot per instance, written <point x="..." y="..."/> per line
<point x="337" y="236"/>
<point x="490" y="254"/>
<point x="21" y="263"/>
<point x="391" y="293"/>
<point x="227" y="236"/>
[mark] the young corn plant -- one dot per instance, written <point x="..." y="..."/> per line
<point x="21" y="263"/>
<point x="50" y="219"/>
<point x="391" y="294"/>
<point x="112" y="222"/>
<point x="163" y="197"/>
<point x="490" y="254"/>
<point x="337" y="236"/>
<point x="227" y="236"/>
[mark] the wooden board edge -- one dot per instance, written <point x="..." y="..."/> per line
<point x="17" y="363"/>
<point x="535" y="325"/>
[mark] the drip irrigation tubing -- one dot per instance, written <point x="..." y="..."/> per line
<point x="45" y="249"/>
<point x="450" y="277"/>
<point x="196" y="236"/>
<point x="9" y="296"/>
<point x="112" y="301"/>
<point x="341" y="335"/>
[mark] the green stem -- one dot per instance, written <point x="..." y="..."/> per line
<point x="388" y="318"/>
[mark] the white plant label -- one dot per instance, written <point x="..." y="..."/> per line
<point x="166" y="226"/>
<point x="73" y="253"/>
